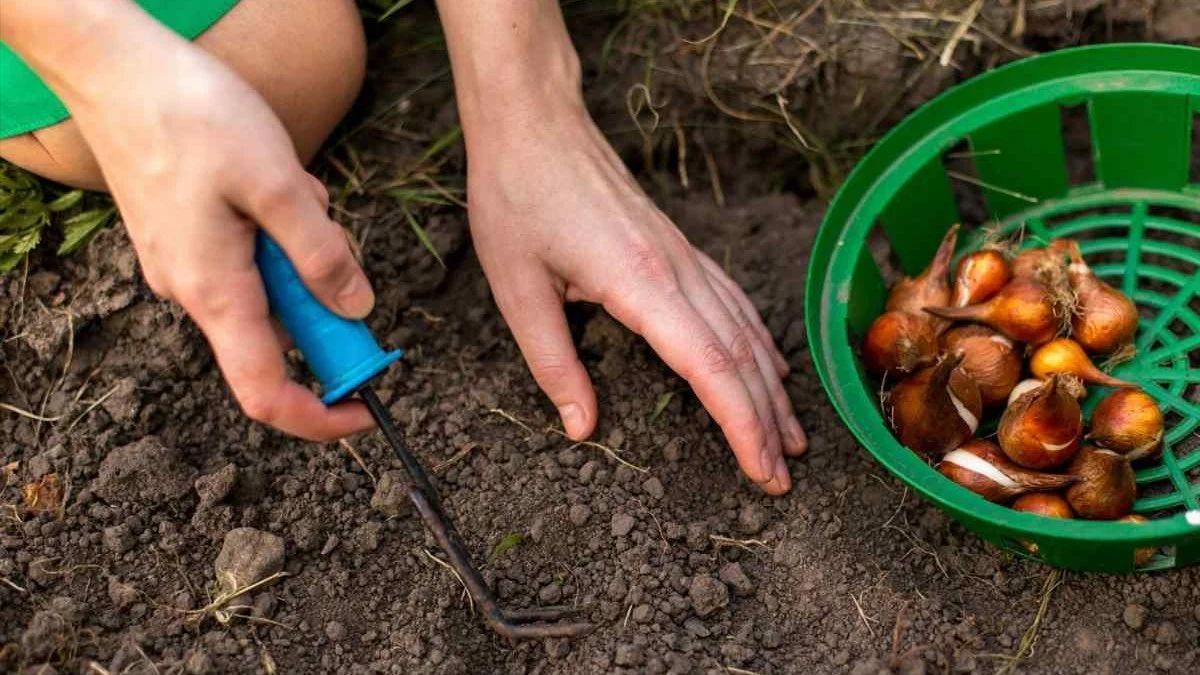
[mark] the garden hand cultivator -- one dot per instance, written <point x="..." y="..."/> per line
<point x="344" y="356"/>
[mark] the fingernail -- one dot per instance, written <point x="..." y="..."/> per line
<point x="767" y="462"/>
<point x="356" y="298"/>
<point x="796" y="432"/>
<point x="781" y="475"/>
<point x="572" y="419"/>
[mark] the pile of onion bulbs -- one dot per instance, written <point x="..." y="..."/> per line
<point x="1016" y="335"/>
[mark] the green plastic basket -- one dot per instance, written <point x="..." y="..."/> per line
<point x="1138" y="222"/>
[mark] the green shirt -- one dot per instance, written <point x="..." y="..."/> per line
<point x="27" y="104"/>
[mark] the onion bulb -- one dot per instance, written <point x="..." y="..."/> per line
<point x="981" y="467"/>
<point x="1105" y="318"/>
<point x="1041" y="428"/>
<point x="1065" y="356"/>
<point x="937" y="409"/>
<point x="899" y="343"/>
<point x="1128" y="422"/>
<point x="1141" y="556"/>
<point x="931" y="287"/>
<point x="979" y="276"/>
<point x="1106" y="487"/>
<point x="1039" y="264"/>
<point x="989" y="358"/>
<point x="1023" y="310"/>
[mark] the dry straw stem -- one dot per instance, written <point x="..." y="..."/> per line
<point x="457" y="577"/>
<point x="745" y="544"/>
<point x="25" y="413"/>
<point x="90" y="408"/>
<point x="456" y="457"/>
<point x="223" y="612"/>
<point x="614" y="454"/>
<point x="1025" y="649"/>
<point x="358" y="459"/>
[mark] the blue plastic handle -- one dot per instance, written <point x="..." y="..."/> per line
<point x="343" y="354"/>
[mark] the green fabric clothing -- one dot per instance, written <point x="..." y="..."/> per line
<point x="27" y="104"/>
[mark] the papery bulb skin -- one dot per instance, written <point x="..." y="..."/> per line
<point x="1105" y="319"/>
<point x="1107" y="487"/>
<point x="931" y="287"/>
<point x="981" y="467"/>
<point x="1048" y="504"/>
<point x="1023" y="311"/>
<point x="1041" y="429"/>
<point x="1128" y="422"/>
<point x="1064" y="356"/>
<point x="989" y="358"/>
<point x="935" y="410"/>
<point x="898" y="343"/>
<point x="1141" y="556"/>
<point x="979" y="276"/>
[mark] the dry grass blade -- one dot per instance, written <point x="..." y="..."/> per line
<point x="25" y="413"/>
<point x="744" y="544"/>
<point x="220" y="608"/>
<point x="1025" y="649"/>
<point x="456" y="457"/>
<point x="457" y="577"/>
<point x="503" y="413"/>
<point x="960" y="31"/>
<point x="87" y="411"/>
<point x="358" y="459"/>
<point x="732" y="4"/>
<point x="12" y="585"/>
<point x="614" y="454"/>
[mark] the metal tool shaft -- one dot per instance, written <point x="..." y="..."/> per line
<point x="532" y="623"/>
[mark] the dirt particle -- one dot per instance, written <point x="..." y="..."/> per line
<point x="214" y="487"/>
<point x="391" y="494"/>
<point x="751" y="518"/>
<point x="1134" y="616"/>
<point x="578" y="514"/>
<point x="696" y="627"/>
<point x="642" y="613"/>
<point x="248" y="555"/>
<point x="673" y="450"/>
<point x="733" y="575"/>
<point x="146" y="472"/>
<point x="198" y="663"/>
<point x="707" y="595"/>
<point x="789" y="553"/>
<point x="653" y="487"/>
<point x="122" y="595"/>
<point x="628" y="655"/>
<point x="335" y="631"/>
<point x="50" y="628"/>
<point x="551" y="593"/>
<point x="1166" y="633"/>
<point x="622" y="524"/>
<point x="117" y="538"/>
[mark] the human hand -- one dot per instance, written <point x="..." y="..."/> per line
<point x="555" y="216"/>
<point x="196" y="162"/>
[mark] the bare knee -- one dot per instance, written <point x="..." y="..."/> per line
<point x="308" y="61"/>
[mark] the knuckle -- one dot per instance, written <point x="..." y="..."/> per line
<point x="751" y="430"/>
<point x="258" y="407"/>
<point x="273" y="193"/>
<point x="715" y="359"/>
<point x="741" y="349"/>
<point x="328" y="262"/>
<point x="650" y="265"/>
<point x="549" y="371"/>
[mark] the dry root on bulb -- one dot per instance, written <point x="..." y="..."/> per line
<point x="989" y="358"/>
<point x="979" y="276"/>
<point x="1105" y="319"/>
<point x="981" y="467"/>
<point x="1141" y="556"/>
<point x="898" y="343"/>
<point x="1023" y="310"/>
<point x="1040" y="429"/>
<point x="931" y="287"/>
<point x="1128" y="422"/>
<point x="937" y="409"/>
<point x="1064" y="356"/>
<point x="1106" y="488"/>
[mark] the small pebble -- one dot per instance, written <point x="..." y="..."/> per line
<point x="335" y="631"/>
<point x="1135" y="616"/>
<point x="578" y="514"/>
<point x="653" y="487"/>
<point x="622" y="524"/>
<point x="707" y="595"/>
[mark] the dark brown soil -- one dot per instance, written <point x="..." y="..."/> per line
<point x="684" y="566"/>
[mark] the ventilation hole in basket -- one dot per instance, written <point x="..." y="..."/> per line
<point x="1182" y="215"/>
<point x="884" y="255"/>
<point x="1170" y="262"/>
<point x="964" y="183"/>
<point x="1077" y="137"/>
<point x="1115" y="224"/>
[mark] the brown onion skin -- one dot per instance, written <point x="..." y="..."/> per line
<point x="1128" y="422"/>
<point x="1038" y="264"/>
<point x="1023" y="311"/>
<point x="1107" y="487"/>
<point x="931" y="287"/>
<point x="986" y="487"/>
<point x="1064" y="356"/>
<point x="1105" y="319"/>
<point x="1041" y="429"/>
<point x="979" y="276"/>
<point x="898" y="343"/>
<point x="1141" y="556"/>
<point x="989" y="358"/>
<point x="922" y="413"/>
<point x="1048" y="504"/>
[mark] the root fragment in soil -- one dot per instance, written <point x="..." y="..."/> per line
<point x="457" y="577"/>
<point x="358" y="460"/>
<point x="223" y="612"/>
<point x="25" y="413"/>
<point x="611" y="452"/>
<point x="749" y="545"/>
<point x="1025" y="649"/>
<point x="456" y="457"/>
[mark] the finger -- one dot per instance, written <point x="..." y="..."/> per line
<point x="320" y="190"/>
<point x="795" y="442"/>
<point x="287" y="207"/>
<point x="533" y="308"/>
<point x="687" y="344"/>
<point x="742" y="342"/>
<point x="282" y="336"/>
<point x="748" y="308"/>
<point x="236" y="322"/>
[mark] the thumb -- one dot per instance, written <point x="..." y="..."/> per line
<point x="291" y="211"/>
<point x="534" y="311"/>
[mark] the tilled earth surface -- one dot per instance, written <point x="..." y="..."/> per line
<point x="171" y="500"/>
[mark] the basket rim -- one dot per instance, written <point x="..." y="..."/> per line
<point x="831" y="355"/>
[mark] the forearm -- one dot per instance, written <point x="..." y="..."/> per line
<point x="514" y="64"/>
<point x="84" y="49"/>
